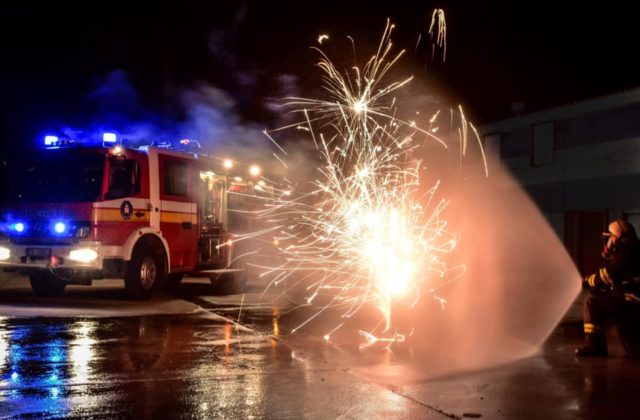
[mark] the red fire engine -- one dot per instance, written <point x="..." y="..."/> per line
<point x="150" y="215"/>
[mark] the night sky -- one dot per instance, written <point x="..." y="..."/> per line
<point x="58" y="56"/>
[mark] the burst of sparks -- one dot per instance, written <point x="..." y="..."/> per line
<point x="369" y="231"/>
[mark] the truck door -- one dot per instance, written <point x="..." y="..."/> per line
<point x="125" y="202"/>
<point x="178" y="219"/>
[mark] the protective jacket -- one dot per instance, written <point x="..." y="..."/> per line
<point x="621" y="271"/>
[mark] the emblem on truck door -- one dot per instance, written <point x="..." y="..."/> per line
<point x="126" y="210"/>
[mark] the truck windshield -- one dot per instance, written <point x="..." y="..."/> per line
<point x="54" y="176"/>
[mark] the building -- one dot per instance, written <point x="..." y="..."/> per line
<point x="580" y="163"/>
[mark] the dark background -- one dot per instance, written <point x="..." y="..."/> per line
<point x="59" y="57"/>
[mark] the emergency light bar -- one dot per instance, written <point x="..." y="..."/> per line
<point x="51" y="140"/>
<point x="108" y="139"/>
<point x="114" y="141"/>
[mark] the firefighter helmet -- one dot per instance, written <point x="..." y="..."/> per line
<point x="619" y="229"/>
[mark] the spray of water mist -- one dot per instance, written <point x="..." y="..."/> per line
<point x="519" y="282"/>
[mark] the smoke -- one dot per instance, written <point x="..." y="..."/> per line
<point x="114" y="92"/>
<point x="202" y="112"/>
<point x="211" y="118"/>
<point x="114" y="104"/>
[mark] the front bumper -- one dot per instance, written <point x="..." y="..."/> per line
<point x="50" y="256"/>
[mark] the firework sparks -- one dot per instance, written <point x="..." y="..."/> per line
<point x="369" y="232"/>
<point x="438" y="20"/>
<point x="438" y="37"/>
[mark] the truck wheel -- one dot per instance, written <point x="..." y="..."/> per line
<point x="46" y="284"/>
<point x="228" y="283"/>
<point x="145" y="271"/>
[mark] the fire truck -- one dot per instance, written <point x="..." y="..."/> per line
<point x="73" y="213"/>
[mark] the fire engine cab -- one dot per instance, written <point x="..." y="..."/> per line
<point x="151" y="215"/>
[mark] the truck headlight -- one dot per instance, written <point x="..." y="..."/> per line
<point x="5" y="253"/>
<point x="83" y="255"/>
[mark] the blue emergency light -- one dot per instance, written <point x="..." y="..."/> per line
<point x="109" y="137"/>
<point x="59" y="227"/>
<point x="50" y="140"/>
<point x="19" y="227"/>
<point x="14" y="228"/>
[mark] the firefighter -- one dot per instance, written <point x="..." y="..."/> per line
<point x="614" y="293"/>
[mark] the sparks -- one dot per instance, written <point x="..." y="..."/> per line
<point x="438" y="20"/>
<point x="370" y="232"/>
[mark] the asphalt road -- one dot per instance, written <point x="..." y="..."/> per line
<point x="91" y="353"/>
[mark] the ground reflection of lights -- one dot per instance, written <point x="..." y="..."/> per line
<point x="4" y="347"/>
<point x="56" y="357"/>
<point x="227" y="339"/>
<point x="237" y="367"/>
<point x="16" y="356"/>
<point x="32" y="368"/>
<point x="34" y="361"/>
<point x="81" y="350"/>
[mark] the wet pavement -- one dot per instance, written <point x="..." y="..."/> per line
<point x="92" y="354"/>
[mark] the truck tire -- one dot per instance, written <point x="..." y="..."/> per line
<point x="146" y="270"/>
<point x="46" y="284"/>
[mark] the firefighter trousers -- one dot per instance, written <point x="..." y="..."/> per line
<point x="602" y="306"/>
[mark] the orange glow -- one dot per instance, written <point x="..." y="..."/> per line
<point x="254" y="170"/>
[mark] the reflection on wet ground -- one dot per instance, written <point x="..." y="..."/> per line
<point x="80" y="366"/>
<point x="198" y="366"/>
<point x="237" y="359"/>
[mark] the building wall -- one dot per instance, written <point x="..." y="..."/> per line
<point x="595" y="162"/>
<point x="576" y="162"/>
